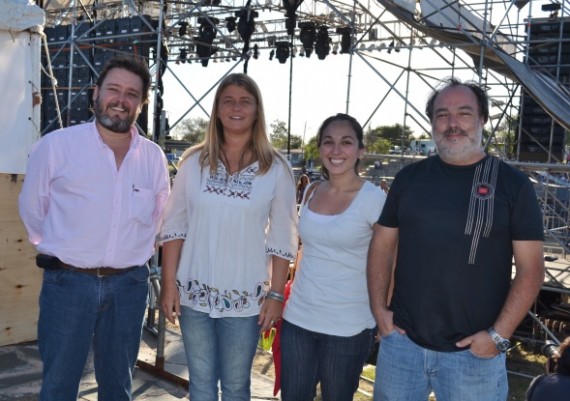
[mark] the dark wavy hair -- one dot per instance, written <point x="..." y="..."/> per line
<point x="563" y="358"/>
<point x="136" y="65"/>
<point x="480" y="94"/>
<point x="355" y="126"/>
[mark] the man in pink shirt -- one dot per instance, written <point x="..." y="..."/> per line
<point x="92" y="201"/>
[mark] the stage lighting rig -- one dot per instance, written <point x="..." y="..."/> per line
<point x="323" y="42"/>
<point x="307" y="35"/>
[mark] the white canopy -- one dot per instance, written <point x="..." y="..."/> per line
<point x="21" y="15"/>
<point x="20" y="24"/>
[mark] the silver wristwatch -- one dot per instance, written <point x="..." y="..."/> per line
<point x="502" y="344"/>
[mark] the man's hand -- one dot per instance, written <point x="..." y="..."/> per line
<point x="480" y="344"/>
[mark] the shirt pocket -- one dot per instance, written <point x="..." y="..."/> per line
<point x="142" y="206"/>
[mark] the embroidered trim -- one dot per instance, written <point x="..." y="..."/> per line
<point x="170" y="237"/>
<point x="201" y="294"/>
<point x="238" y="185"/>
<point x="280" y="253"/>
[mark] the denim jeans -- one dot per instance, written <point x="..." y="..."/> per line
<point x="308" y="357"/>
<point x="219" y="349"/>
<point x="408" y="372"/>
<point x="79" y="311"/>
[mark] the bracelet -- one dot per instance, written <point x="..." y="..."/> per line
<point x="275" y="295"/>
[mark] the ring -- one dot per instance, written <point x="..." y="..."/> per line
<point x="272" y="322"/>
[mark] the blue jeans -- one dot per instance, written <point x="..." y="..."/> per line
<point x="219" y="349"/>
<point x="78" y="311"/>
<point x="308" y="357"/>
<point x="408" y="372"/>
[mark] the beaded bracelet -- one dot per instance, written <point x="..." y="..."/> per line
<point x="276" y="296"/>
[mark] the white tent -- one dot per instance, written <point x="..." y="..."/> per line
<point x="21" y="25"/>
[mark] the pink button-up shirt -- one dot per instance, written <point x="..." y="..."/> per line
<point x="77" y="206"/>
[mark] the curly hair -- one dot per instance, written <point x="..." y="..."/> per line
<point x="562" y="360"/>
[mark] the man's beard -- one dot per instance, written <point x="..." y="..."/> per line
<point x="115" y="124"/>
<point x="446" y="149"/>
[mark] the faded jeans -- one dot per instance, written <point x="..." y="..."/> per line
<point x="407" y="372"/>
<point x="219" y="349"/>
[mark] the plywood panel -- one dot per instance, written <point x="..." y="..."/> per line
<point x="20" y="279"/>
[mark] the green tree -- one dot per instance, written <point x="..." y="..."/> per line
<point x="395" y="134"/>
<point x="311" y="150"/>
<point x="192" y="130"/>
<point x="278" y="136"/>
<point x="380" y="146"/>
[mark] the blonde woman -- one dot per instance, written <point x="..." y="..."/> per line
<point x="229" y="233"/>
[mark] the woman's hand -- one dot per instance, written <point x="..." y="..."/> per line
<point x="270" y="314"/>
<point x="170" y="301"/>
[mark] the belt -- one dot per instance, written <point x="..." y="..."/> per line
<point x="96" y="271"/>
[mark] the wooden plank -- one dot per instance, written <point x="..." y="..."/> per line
<point x="20" y="279"/>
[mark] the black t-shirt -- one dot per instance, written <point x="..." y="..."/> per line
<point x="456" y="227"/>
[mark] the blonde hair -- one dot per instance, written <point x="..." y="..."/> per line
<point x="259" y="145"/>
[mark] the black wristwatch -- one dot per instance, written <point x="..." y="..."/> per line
<point x="502" y="344"/>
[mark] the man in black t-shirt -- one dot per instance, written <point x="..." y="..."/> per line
<point x="450" y="228"/>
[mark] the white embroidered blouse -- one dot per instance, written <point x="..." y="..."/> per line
<point x="231" y="226"/>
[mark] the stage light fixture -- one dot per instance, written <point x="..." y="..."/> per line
<point x="323" y="42"/>
<point x="282" y="51"/>
<point x="246" y="22"/>
<point x="551" y="7"/>
<point x="183" y="30"/>
<point x="231" y="24"/>
<point x="335" y="49"/>
<point x="183" y="56"/>
<point x="271" y="54"/>
<point x="345" y="39"/>
<point x="390" y="46"/>
<point x="255" y="51"/>
<point x="291" y="21"/>
<point x="307" y="35"/>
<point x="207" y="32"/>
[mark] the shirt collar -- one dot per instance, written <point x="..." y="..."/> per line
<point x="135" y="137"/>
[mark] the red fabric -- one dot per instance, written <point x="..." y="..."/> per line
<point x="276" y="345"/>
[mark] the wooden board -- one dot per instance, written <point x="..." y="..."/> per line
<point x="20" y="279"/>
